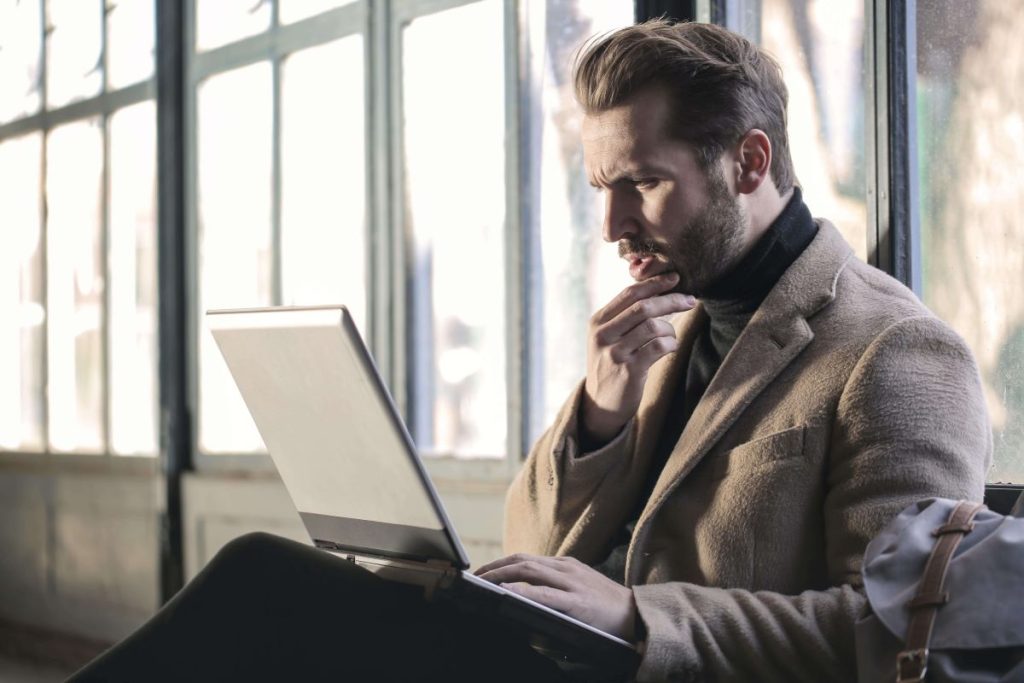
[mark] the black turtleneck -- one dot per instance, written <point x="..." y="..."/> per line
<point x="730" y="304"/>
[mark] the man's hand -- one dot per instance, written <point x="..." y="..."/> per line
<point x="626" y="337"/>
<point x="569" y="586"/>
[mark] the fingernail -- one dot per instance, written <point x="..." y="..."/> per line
<point x="690" y="301"/>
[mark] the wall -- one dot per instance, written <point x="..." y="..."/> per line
<point x="79" y="550"/>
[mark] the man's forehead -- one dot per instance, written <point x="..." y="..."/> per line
<point x="620" y="140"/>
<point x="640" y="119"/>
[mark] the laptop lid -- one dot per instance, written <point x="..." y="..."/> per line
<point x="334" y="433"/>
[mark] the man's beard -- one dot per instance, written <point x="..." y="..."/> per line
<point x="707" y="247"/>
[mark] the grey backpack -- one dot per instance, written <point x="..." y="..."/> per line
<point x="945" y="587"/>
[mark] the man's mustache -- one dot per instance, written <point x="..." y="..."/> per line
<point x="638" y="247"/>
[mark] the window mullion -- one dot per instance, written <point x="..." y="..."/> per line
<point x="177" y="347"/>
<point x="44" y="230"/>
<point x="105" y="240"/>
<point x="904" y="228"/>
<point x="378" y="207"/>
<point x="517" y="261"/>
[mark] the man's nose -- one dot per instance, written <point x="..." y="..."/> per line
<point x="618" y="220"/>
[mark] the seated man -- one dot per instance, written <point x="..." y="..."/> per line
<point x="709" y="489"/>
<point x="726" y="471"/>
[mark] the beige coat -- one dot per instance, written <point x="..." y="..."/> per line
<point x="843" y="401"/>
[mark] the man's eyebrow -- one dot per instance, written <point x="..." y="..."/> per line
<point x="629" y="174"/>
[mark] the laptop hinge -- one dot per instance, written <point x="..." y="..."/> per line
<point x="431" y="574"/>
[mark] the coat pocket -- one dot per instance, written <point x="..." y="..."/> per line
<point x="775" y="447"/>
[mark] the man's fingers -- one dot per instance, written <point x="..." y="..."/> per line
<point x="517" y="558"/>
<point x="644" y="333"/>
<point x="534" y="571"/>
<point x="640" y="311"/>
<point x="549" y="597"/>
<point x="657" y="348"/>
<point x="636" y="292"/>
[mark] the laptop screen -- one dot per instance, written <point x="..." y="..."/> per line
<point x="333" y="433"/>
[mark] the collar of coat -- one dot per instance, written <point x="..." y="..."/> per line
<point x="776" y="334"/>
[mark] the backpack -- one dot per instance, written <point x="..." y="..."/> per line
<point x="945" y="588"/>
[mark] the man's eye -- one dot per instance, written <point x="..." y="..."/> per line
<point x="645" y="183"/>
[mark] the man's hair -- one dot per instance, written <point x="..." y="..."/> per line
<point x="720" y="85"/>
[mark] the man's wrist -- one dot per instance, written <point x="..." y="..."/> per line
<point x="589" y="441"/>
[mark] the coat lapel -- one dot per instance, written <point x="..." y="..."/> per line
<point x="775" y="336"/>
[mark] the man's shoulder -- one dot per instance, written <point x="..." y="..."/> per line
<point x="863" y="291"/>
<point x="865" y="301"/>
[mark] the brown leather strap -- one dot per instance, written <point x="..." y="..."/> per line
<point x="912" y="662"/>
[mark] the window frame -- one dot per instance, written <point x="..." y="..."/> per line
<point x="275" y="44"/>
<point x="102" y="107"/>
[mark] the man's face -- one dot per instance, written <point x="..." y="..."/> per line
<point x="664" y="210"/>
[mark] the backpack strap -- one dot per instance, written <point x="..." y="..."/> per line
<point x="912" y="662"/>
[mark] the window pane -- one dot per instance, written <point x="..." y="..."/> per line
<point x="294" y="10"/>
<point x="454" y="152"/>
<point x="971" y="147"/>
<point x="323" y="245"/>
<point x="235" y="260"/>
<point x="73" y="66"/>
<point x="21" y="295"/>
<point x="74" y="167"/>
<point x="820" y="46"/>
<point x="219" y="22"/>
<point x="21" y="36"/>
<point x="132" y="267"/>
<point x="581" y="272"/>
<point x="130" y="31"/>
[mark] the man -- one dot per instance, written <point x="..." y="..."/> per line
<point x="724" y="473"/>
<point x="708" y="490"/>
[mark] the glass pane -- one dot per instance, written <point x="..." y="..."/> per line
<point x="131" y="252"/>
<point x="820" y="46"/>
<point x="971" y="146"/>
<point x="235" y="259"/>
<point x="130" y="41"/>
<point x="294" y="10"/>
<point x="454" y="151"/>
<point x="581" y="273"/>
<point x="219" y="22"/>
<point x="21" y="295"/>
<point x="21" y="38"/>
<point x="74" y="168"/>
<point x="73" y="67"/>
<point x="323" y="244"/>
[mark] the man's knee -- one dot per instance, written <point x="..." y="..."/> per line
<point x="252" y="550"/>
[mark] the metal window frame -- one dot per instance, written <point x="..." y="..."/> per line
<point x="446" y="466"/>
<point x="275" y="44"/>
<point x="894" y="240"/>
<point x="677" y="10"/>
<point x="380" y="24"/>
<point x="101" y="107"/>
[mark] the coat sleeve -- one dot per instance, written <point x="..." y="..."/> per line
<point x="910" y="424"/>
<point x="548" y="503"/>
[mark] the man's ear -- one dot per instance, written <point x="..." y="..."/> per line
<point x="754" y="161"/>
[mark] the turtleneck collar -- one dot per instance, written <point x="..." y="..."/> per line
<point x="731" y="303"/>
<point x="749" y="282"/>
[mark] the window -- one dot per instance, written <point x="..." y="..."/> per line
<point x="574" y="271"/>
<point x="970" y="147"/>
<point x="283" y="167"/>
<point x="453" y="143"/>
<point x="77" y="183"/>
<point x="279" y="209"/>
<point x="820" y="46"/>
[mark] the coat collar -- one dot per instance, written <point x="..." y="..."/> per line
<point x="776" y="334"/>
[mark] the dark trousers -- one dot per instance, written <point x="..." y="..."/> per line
<point x="270" y="609"/>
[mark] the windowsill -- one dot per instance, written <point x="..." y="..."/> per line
<point x="79" y="463"/>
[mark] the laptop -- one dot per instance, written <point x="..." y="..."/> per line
<point x="355" y="477"/>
